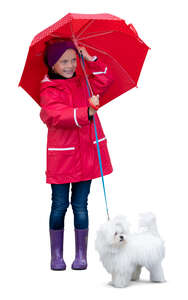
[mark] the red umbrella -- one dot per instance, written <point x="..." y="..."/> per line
<point x="103" y="35"/>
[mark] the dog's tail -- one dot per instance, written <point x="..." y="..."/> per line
<point x="148" y="221"/>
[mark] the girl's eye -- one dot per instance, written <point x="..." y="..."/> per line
<point x="65" y="61"/>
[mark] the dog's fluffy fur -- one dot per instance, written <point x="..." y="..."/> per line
<point x="123" y="253"/>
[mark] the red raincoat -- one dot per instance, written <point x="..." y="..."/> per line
<point x="71" y="144"/>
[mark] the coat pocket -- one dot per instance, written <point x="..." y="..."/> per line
<point x="103" y="152"/>
<point x="61" y="160"/>
<point x="67" y="150"/>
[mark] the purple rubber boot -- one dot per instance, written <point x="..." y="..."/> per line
<point x="56" y="241"/>
<point x="81" y="239"/>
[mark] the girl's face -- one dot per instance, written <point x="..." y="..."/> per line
<point x="66" y="64"/>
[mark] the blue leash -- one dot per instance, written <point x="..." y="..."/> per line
<point x="98" y="149"/>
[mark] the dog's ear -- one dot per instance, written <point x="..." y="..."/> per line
<point x="122" y="221"/>
<point x="101" y="232"/>
<point x="100" y="240"/>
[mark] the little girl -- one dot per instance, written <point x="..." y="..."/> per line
<point x="71" y="143"/>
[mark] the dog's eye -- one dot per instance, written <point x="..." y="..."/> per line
<point x="116" y="233"/>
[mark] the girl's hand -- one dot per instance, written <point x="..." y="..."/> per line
<point x="95" y="101"/>
<point x="85" y="53"/>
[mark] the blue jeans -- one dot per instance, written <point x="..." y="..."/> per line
<point x="60" y="202"/>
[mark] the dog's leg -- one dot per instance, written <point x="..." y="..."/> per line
<point x="136" y="273"/>
<point x="120" y="280"/>
<point x="156" y="273"/>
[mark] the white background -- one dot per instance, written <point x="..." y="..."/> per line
<point x="146" y="130"/>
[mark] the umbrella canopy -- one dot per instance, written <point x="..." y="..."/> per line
<point x="104" y="35"/>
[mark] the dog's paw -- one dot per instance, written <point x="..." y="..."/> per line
<point x="119" y="285"/>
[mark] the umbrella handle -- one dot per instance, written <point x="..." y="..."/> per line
<point x="98" y="149"/>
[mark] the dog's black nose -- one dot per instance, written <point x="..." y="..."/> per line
<point x="121" y="237"/>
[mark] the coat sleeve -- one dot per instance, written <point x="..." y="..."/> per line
<point x="100" y="76"/>
<point x="54" y="113"/>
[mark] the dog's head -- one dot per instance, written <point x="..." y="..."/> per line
<point x="112" y="236"/>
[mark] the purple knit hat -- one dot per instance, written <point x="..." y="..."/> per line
<point x="55" y="51"/>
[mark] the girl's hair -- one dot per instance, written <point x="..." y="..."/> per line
<point x="51" y="42"/>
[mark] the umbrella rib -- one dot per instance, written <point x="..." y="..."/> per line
<point x="98" y="34"/>
<point x="89" y="23"/>
<point x="113" y="59"/>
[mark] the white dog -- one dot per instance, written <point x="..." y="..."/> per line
<point x="123" y="253"/>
